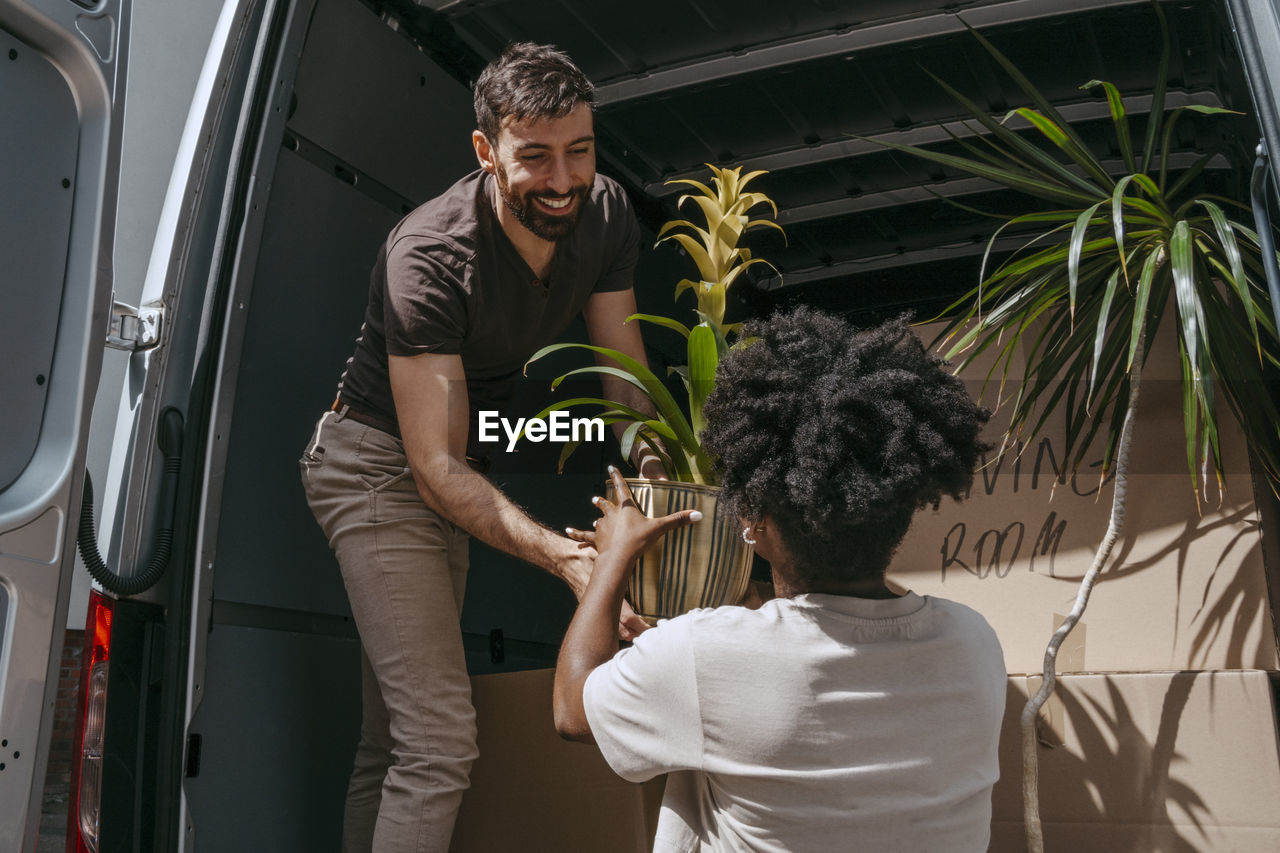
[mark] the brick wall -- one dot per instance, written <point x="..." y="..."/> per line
<point x="58" y="778"/>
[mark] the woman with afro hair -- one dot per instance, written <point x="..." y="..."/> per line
<point x="840" y="715"/>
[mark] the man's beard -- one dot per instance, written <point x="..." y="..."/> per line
<point x="526" y="212"/>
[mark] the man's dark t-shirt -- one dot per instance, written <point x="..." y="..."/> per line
<point x="449" y="280"/>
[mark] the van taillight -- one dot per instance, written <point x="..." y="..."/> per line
<point x="86" y="769"/>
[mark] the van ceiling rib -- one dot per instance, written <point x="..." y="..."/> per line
<point x="949" y="189"/>
<point x="803" y="89"/>
<point x="841" y="149"/>
<point x="912" y="257"/>
<point x="878" y="35"/>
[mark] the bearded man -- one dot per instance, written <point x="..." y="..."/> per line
<point x="464" y="290"/>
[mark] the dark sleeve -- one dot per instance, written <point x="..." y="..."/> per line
<point x="426" y="309"/>
<point x="622" y="234"/>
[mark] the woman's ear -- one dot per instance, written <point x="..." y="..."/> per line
<point x="768" y="543"/>
<point x="772" y="548"/>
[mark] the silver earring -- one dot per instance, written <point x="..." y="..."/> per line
<point x="746" y="538"/>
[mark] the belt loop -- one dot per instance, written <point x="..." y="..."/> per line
<point x="340" y="409"/>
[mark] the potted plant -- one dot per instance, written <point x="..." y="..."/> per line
<point x="1108" y="258"/>
<point x="707" y="564"/>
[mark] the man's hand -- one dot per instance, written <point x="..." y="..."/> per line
<point x="630" y="625"/>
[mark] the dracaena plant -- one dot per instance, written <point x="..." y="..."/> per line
<point x="1108" y="257"/>
<point x="673" y="430"/>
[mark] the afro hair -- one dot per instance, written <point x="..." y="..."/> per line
<point x="839" y="436"/>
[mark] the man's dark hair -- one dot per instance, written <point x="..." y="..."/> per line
<point x="839" y="436"/>
<point x="528" y="81"/>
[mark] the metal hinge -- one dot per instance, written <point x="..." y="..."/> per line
<point x="133" y="329"/>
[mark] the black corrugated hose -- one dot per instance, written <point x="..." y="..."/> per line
<point x="170" y="441"/>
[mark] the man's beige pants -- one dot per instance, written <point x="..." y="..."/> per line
<point x="405" y="570"/>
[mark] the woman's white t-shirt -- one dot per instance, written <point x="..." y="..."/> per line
<point x="816" y="723"/>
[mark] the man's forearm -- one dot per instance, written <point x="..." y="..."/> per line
<point x="606" y="315"/>
<point x="473" y="503"/>
<point x="432" y="405"/>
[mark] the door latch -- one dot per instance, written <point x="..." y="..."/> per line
<point x="133" y="329"/>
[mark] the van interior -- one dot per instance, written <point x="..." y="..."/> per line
<point x="367" y="113"/>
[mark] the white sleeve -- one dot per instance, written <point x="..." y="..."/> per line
<point x="643" y="705"/>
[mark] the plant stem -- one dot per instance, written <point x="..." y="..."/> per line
<point x="1030" y="757"/>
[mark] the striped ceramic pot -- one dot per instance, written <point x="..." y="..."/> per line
<point x="700" y="565"/>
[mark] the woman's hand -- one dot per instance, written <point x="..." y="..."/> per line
<point x="624" y="531"/>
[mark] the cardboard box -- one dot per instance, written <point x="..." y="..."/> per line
<point x="1172" y="761"/>
<point x="1159" y="761"/>
<point x="533" y="791"/>
<point x="1185" y="587"/>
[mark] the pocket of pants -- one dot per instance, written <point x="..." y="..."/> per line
<point x="382" y="463"/>
<point x="313" y="454"/>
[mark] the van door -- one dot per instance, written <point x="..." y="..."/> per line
<point x="62" y="67"/>
<point x="1257" y="28"/>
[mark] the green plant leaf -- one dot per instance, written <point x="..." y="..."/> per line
<point x="666" y="322"/>
<point x="676" y="467"/>
<point x="1149" y="186"/>
<point x="1181" y="261"/>
<point x="1140" y="300"/>
<point x="600" y="370"/>
<point x="703" y="357"/>
<point x="1047" y="258"/>
<point x="1038" y="188"/>
<point x="1031" y="157"/>
<point x="1192" y="173"/>
<point x="1205" y="109"/>
<point x="1167" y="140"/>
<point x="1064" y="141"/>
<point x="1115" y="377"/>
<point x="720" y="332"/>
<point x="1118" y="118"/>
<point x="565" y="452"/>
<point x="1064" y="217"/>
<point x="657" y="392"/>
<point x="628" y="440"/>
<point x="1073" y="253"/>
<point x="1156" y="116"/>
<point x="1104" y="314"/>
<point x="1237" y="278"/>
<point x="1117" y="221"/>
<point x="1190" y="414"/>
<point x="1037" y="98"/>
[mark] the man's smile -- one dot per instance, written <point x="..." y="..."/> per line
<point x="555" y="202"/>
